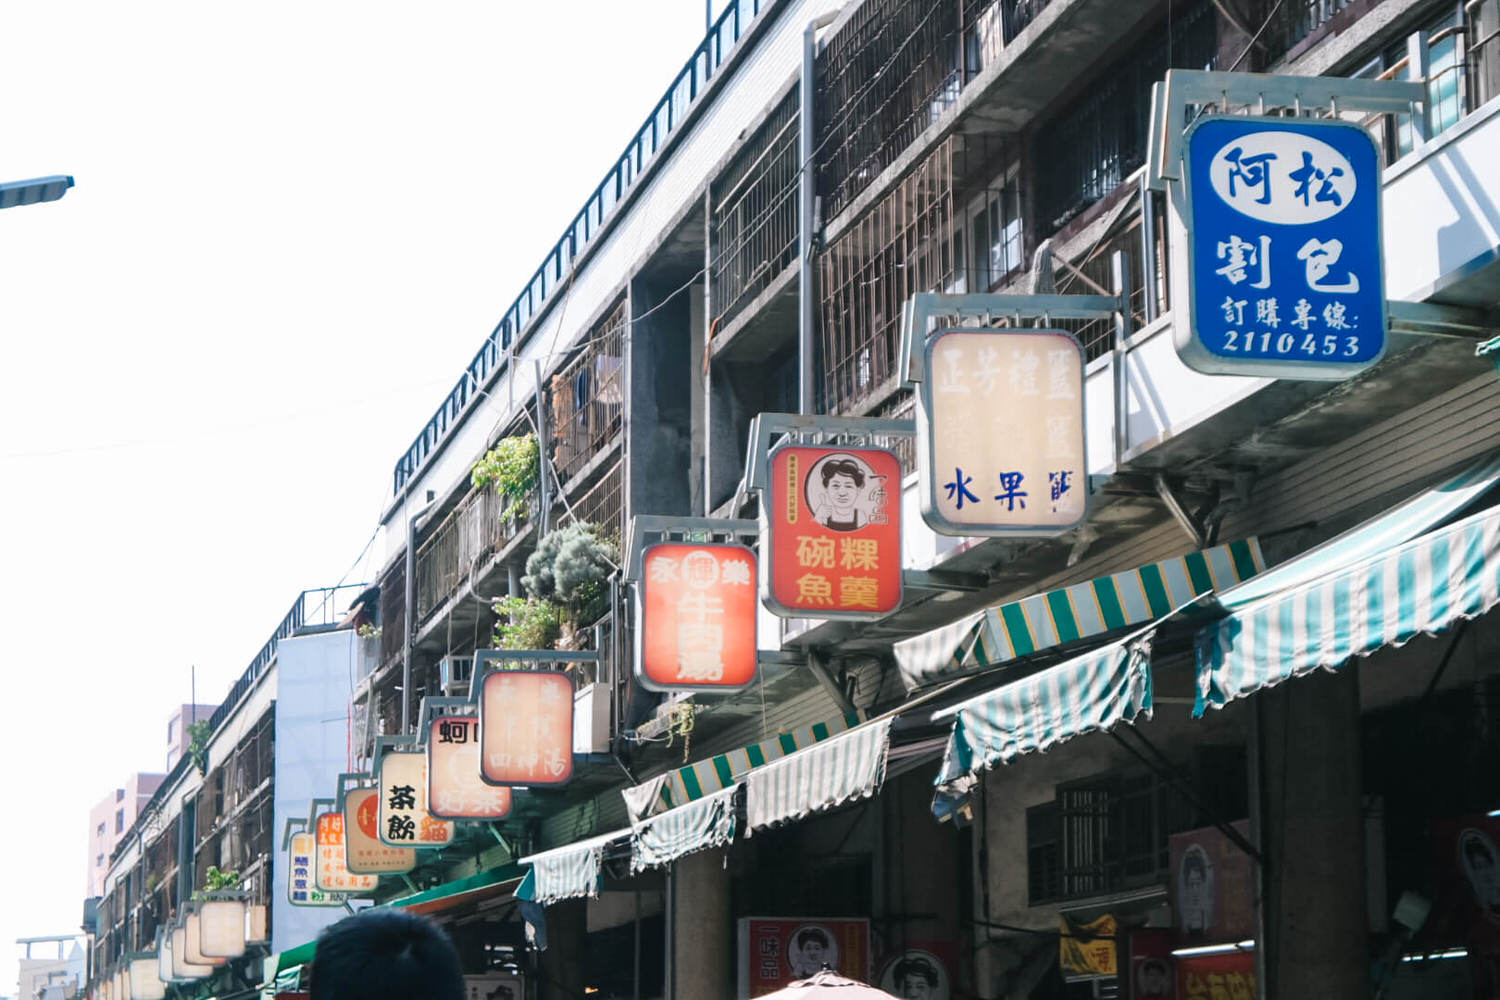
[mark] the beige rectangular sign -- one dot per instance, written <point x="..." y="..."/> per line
<point x="404" y="816"/>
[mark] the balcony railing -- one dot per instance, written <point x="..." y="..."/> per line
<point x="588" y="398"/>
<point x="754" y="225"/>
<point x="884" y="77"/>
<point x="603" y="505"/>
<point x="666" y="117"/>
<point x="481" y="526"/>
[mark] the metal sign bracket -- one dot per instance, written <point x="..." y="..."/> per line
<point x="649" y="529"/>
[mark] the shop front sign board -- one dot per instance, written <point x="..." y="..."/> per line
<point x="1000" y="433"/>
<point x="526" y="728"/>
<point x="330" y="864"/>
<point x="775" y="952"/>
<point x="404" y="818"/>
<point x="364" y="852"/>
<point x="696" y="609"/>
<point x="1286" y="275"/>
<point x="831" y="533"/>
<point x="301" y="890"/>
<point x="454" y="788"/>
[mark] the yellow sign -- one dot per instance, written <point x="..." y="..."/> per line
<point x="1088" y="949"/>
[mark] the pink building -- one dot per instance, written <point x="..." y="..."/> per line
<point x="177" y="729"/>
<point x="109" y="820"/>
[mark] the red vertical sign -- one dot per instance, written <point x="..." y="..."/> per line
<point x="696" y="617"/>
<point x="834" y="520"/>
<point x="526" y="728"/>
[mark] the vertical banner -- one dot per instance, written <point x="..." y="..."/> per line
<point x="1088" y="950"/>
<point x="526" y="728"/>
<point x="300" y="888"/>
<point x="404" y="819"/>
<point x="454" y="788"/>
<point x="364" y="853"/>
<point x="1000" y="433"/>
<point x="831" y="533"/>
<point x="1286" y="277"/>
<point x="330" y="867"/>
<point x="775" y="952"/>
<point x="695" y="605"/>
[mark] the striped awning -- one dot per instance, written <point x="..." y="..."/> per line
<point x="1042" y="621"/>
<point x="1420" y="586"/>
<point x="848" y="767"/>
<point x="705" y="777"/>
<point x="568" y="872"/>
<point x="698" y="826"/>
<point x="1091" y="692"/>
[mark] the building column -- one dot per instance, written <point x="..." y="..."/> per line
<point x="1314" y="838"/>
<point x="562" y="962"/>
<point x="699" y="929"/>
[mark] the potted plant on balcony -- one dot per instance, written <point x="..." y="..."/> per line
<point x="512" y="467"/>
<point x="571" y="567"/>
<point x="526" y="623"/>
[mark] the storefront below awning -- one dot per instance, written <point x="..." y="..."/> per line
<point x="1053" y="618"/>
<point x="1089" y="693"/>
<point x="1421" y="586"/>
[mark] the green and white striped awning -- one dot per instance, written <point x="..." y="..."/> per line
<point x="1421" y="586"/>
<point x="1091" y="692"/>
<point x="845" y="768"/>
<point x="698" y="826"/>
<point x="1133" y="598"/>
<point x="567" y="872"/>
<point x="705" y="777"/>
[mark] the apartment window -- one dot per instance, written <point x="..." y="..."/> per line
<point x="100" y="832"/>
<point x="119" y="821"/>
<point x="119" y="795"/>
<point x="171" y="731"/>
<point x="99" y="861"/>
<point x="995" y="228"/>
<point x="1445" y="93"/>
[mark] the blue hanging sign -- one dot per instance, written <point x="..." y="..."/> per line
<point x="1285" y="271"/>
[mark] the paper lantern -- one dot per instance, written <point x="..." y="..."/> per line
<point x="257" y="924"/>
<point x="221" y="928"/>
<point x="182" y="969"/>
<point x="145" y="982"/>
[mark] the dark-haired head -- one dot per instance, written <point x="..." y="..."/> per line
<point x="915" y="967"/>
<point x="843" y="467"/>
<point x="386" y="955"/>
<point x="812" y="934"/>
<point x="1477" y="851"/>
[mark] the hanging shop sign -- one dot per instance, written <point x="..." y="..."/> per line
<point x="526" y="728"/>
<point x="831" y="533"/>
<point x="221" y="928"/>
<point x="1000" y="433"/>
<point x="696" y="608"/>
<point x="1286" y="276"/>
<point x="192" y="923"/>
<point x="301" y="889"/>
<point x="454" y="788"/>
<point x="182" y="969"/>
<point x="404" y="818"/>
<point x="330" y="866"/>
<point x="145" y="983"/>
<point x="1212" y="887"/>
<point x="364" y="852"/>
<point x="1231" y="975"/>
<point x="775" y="952"/>
<point x="1087" y="950"/>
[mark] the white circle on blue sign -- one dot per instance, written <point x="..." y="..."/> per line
<point x="1254" y="174"/>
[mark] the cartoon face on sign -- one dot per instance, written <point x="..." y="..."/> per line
<point x="844" y="493"/>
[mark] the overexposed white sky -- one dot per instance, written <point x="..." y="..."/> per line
<point x="293" y="225"/>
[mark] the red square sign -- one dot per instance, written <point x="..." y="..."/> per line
<point x="697" y="617"/>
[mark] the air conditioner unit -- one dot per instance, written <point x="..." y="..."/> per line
<point x="591" y="719"/>
<point x="454" y="675"/>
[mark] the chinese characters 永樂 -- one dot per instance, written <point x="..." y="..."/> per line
<point x="697" y="611"/>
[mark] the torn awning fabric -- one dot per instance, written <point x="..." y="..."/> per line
<point x="701" y="825"/>
<point x="1089" y="693"/>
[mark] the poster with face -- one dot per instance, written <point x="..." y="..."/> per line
<point x="832" y="518"/>
<point x="1152" y="974"/>
<point x="1211" y="887"/>
<point x="812" y="947"/>
<point x="1479" y="860"/>
<point x="778" y="951"/>
<point x="916" y="974"/>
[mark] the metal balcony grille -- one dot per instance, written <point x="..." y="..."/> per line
<point x="884" y="77"/>
<point x="753" y="230"/>
<point x="602" y="505"/>
<point x="587" y="397"/>
<point x="478" y="528"/>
